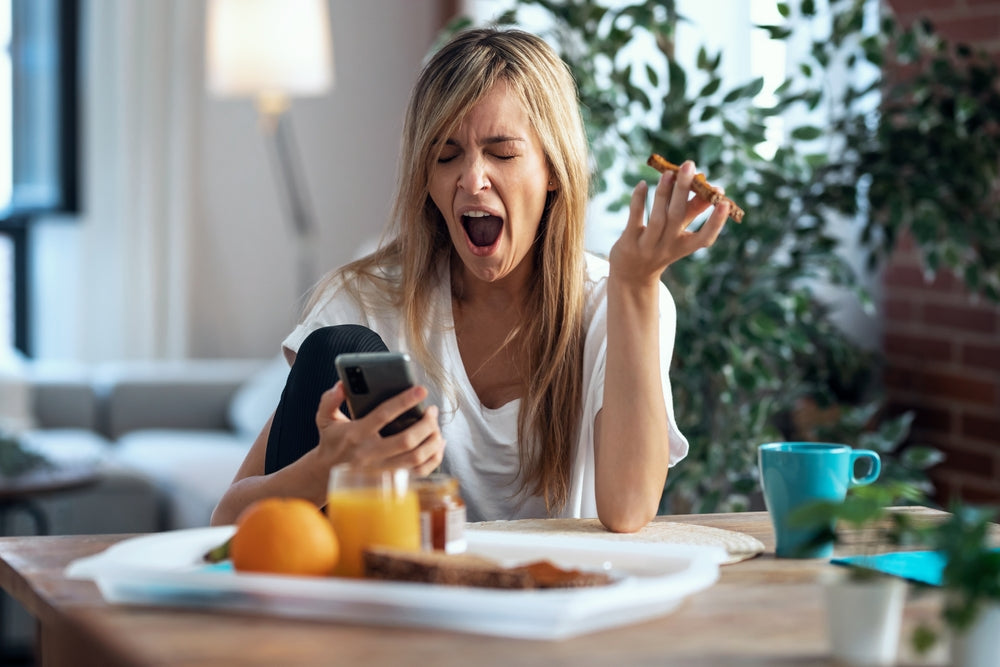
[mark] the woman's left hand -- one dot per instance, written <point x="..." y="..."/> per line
<point x="643" y="251"/>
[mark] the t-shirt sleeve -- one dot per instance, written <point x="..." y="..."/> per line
<point x="336" y="306"/>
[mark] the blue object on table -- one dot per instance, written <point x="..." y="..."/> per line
<point x="920" y="566"/>
<point x="924" y="567"/>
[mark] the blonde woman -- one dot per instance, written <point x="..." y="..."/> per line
<point x="546" y="368"/>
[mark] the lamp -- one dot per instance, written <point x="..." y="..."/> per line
<point x="273" y="50"/>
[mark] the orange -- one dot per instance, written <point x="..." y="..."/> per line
<point x="284" y="536"/>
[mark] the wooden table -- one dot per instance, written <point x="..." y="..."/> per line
<point x="763" y="611"/>
<point x="21" y="491"/>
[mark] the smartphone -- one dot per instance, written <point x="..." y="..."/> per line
<point x="372" y="377"/>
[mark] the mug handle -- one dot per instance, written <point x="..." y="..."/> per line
<point x="874" y="469"/>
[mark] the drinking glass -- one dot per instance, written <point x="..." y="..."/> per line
<point x="371" y="507"/>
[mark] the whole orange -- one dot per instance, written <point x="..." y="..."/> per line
<point x="284" y="536"/>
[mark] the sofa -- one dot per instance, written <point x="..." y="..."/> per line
<point x="166" y="438"/>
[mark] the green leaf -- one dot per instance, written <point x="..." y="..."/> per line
<point x="807" y="133"/>
<point x="654" y="78"/>
<point x="710" y="88"/>
<point x="678" y="79"/>
<point x="779" y="32"/>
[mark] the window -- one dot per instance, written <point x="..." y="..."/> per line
<point x="38" y="138"/>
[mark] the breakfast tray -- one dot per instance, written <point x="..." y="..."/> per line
<point x="650" y="580"/>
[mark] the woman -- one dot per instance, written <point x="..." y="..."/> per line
<point x="550" y="366"/>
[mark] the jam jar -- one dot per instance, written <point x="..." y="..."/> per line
<point x="442" y="513"/>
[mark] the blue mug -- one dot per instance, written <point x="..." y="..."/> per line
<point x="793" y="474"/>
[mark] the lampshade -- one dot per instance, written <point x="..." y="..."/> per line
<point x="268" y="48"/>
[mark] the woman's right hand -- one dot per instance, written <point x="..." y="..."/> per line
<point x="419" y="448"/>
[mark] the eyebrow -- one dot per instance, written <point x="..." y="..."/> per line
<point x="498" y="139"/>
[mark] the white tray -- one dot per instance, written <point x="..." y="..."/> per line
<point x="164" y="569"/>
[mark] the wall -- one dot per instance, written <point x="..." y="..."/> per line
<point x="943" y="345"/>
<point x="238" y="292"/>
<point x="247" y="295"/>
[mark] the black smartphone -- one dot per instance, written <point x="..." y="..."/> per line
<point x="372" y="377"/>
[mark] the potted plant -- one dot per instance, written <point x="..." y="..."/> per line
<point x="968" y="541"/>
<point x="16" y="459"/>
<point x="864" y="606"/>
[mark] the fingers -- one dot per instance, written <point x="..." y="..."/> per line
<point x="419" y="448"/>
<point x="677" y="205"/>
<point x="391" y="408"/>
<point x="329" y="406"/>
<point x="713" y="226"/>
<point x="636" y="210"/>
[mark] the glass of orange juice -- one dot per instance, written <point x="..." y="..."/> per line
<point x="371" y="507"/>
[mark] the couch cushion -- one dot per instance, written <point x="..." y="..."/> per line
<point x="182" y="394"/>
<point x="63" y="395"/>
<point x="15" y="393"/>
<point x="194" y="468"/>
<point x="257" y="398"/>
<point x="70" y="446"/>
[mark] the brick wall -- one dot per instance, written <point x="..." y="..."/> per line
<point x="943" y="346"/>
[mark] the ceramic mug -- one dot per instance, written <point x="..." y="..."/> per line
<point x="793" y="474"/>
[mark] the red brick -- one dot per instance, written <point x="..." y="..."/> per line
<point x="907" y="10"/>
<point x="899" y="310"/>
<point x="900" y="275"/>
<point x="918" y="347"/>
<point x="992" y="4"/>
<point x="946" y="487"/>
<point x="962" y="318"/>
<point x="926" y="417"/>
<point x="981" y="356"/>
<point x="981" y="428"/>
<point x="970" y="30"/>
<point x="905" y="243"/>
<point x="942" y="385"/>
<point x="956" y="486"/>
<point x="907" y="275"/>
<point x="973" y="464"/>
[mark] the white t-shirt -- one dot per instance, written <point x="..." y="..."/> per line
<point x="481" y="450"/>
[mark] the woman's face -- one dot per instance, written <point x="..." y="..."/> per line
<point x="490" y="185"/>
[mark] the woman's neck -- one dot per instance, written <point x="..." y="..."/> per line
<point x="505" y="294"/>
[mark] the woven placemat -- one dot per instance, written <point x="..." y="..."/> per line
<point x="739" y="546"/>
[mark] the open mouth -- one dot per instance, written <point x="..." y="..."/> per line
<point x="482" y="229"/>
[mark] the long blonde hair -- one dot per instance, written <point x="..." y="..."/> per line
<point x="550" y="338"/>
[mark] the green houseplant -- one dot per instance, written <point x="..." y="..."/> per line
<point x="17" y="460"/>
<point x="864" y="607"/>
<point x="969" y="541"/>
<point x="755" y="337"/>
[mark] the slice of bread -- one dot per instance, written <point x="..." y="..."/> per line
<point x="437" y="567"/>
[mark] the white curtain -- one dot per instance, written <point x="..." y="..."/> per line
<point x="142" y="105"/>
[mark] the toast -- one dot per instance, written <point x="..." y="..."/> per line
<point x="699" y="185"/>
<point x="437" y="567"/>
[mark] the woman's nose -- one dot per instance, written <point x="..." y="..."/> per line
<point x="473" y="177"/>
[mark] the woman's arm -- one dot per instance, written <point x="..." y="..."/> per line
<point x="419" y="448"/>
<point x="631" y="444"/>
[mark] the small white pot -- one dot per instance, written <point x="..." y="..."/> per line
<point x="864" y="618"/>
<point x="980" y="645"/>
